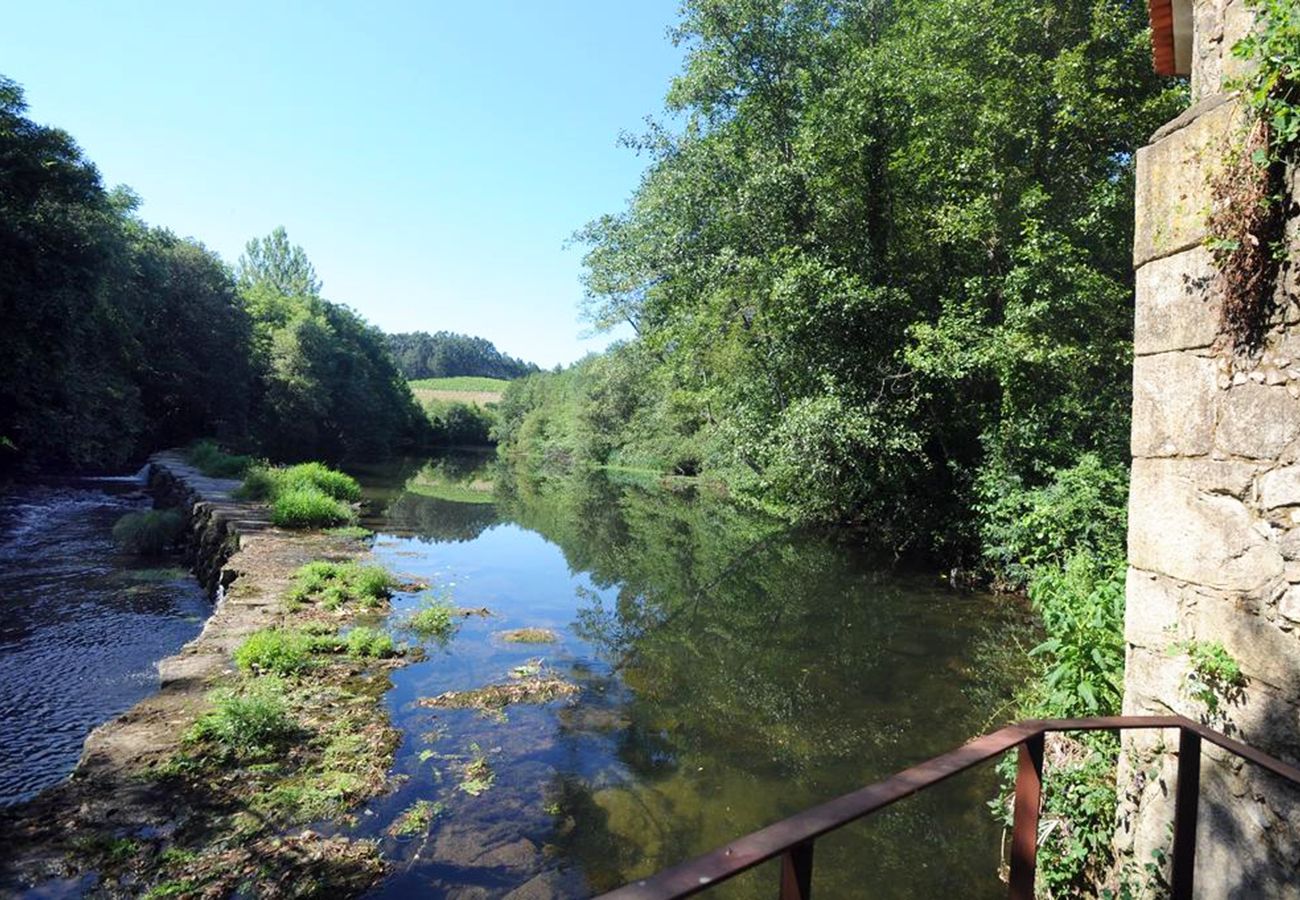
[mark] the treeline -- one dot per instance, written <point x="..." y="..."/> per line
<point x="119" y="338"/>
<point x="879" y="274"/>
<point x="445" y="355"/>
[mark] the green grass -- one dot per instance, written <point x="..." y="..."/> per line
<point x="270" y="482"/>
<point x="278" y="651"/>
<point x="309" y="508"/>
<point x="214" y="462"/>
<point x="462" y="383"/>
<point x="334" y="585"/>
<point x="149" y="532"/>
<point x="247" y="722"/>
<point x="369" y="643"/>
<point x="308" y="495"/>
<point x="433" y="619"/>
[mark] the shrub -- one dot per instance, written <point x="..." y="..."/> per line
<point x="276" y="651"/>
<point x="369" y="643"/>
<point x="309" y="508"/>
<point x="149" y="532"/>
<point x="250" y="721"/>
<point x="212" y="461"/>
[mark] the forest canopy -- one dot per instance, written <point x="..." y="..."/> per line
<point x="878" y="268"/>
<point x="445" y="354"/>
<point x="121" y="338"/>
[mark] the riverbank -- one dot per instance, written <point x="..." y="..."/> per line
<point x="147" y="808"/>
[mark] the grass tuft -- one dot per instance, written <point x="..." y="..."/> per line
<point x="149" y="532"/>
<point x="309" y="508"/>
<point x="249" y="722"/>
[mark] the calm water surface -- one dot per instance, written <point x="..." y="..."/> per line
<point x="731" y="672"/>
<point x="82" y="626"/>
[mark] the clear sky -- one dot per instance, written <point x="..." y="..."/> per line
<point x="431" y="157"/>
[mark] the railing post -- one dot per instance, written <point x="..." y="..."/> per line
<point x="1024" y="827"/>
<point x="1185" y="812"/>
<point x="796" y="872"/>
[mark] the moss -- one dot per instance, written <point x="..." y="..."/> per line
<point x="149" y="532"/>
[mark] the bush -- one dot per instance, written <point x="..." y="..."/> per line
<point x="270" y="482"/>
<point x="250" y="721"/>
<point x="309" y="508"/>
<point x="149" y="532"/>
<point x="369" y="643"/>
<point x="214" y="462"/>
<point x="276" y="651"/>
<point x="1083" y="508"/>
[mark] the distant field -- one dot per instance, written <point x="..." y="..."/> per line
<point x="463" y="389"/>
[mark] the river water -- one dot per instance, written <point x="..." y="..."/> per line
<point x="731" y="672"/>
<point x="82" y="626"/>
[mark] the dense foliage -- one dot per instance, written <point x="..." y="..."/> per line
<point x="120" y="338"/>
<point x="443" y="355"/>
<point x="880" y="273"/>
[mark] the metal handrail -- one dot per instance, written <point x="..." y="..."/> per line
<point x="792" y="839"/>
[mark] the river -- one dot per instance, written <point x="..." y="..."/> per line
<point x="731" y="672"/>
<point x="82" y="626"/>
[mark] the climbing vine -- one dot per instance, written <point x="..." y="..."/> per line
<point x="1249" y="211"/>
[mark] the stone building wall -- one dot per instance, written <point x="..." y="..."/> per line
<point x="1214" y="514"/>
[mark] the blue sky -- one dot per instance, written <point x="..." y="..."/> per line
<point x="431" y="157"/>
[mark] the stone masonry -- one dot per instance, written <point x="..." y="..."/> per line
<point x="1214" y="514"/>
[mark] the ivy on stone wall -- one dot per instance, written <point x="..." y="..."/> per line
<point x="1249" y="212"/>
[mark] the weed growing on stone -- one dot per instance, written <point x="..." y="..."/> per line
<point x="434" y="619"/>
<point x="416" y="818"/>
<point x="334" y="585"/>
<point x="249" y="721"/>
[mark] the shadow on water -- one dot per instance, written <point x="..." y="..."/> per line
<point x="730" y="672"/>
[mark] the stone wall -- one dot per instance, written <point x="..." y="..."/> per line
<point x="1214" y="515"/>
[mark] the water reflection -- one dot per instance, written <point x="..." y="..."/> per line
<point x="731" y="672"/>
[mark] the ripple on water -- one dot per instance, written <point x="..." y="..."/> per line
<point x="82" y="626"/>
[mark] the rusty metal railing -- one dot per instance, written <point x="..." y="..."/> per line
<point x="792" y="839"/>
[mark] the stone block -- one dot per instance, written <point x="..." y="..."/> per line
<point x="1289" y="606"/>
<point x="1173" y="195"/>
<point x="1186" y="522"/>
<point x="1174" y="396"/>
<point x="1257" y="421"/>
<point x="1177" y="307"/>
<point x="1150" y="610"/>
<point x="1279" y="487"/>
<point x="1264" y="651"/>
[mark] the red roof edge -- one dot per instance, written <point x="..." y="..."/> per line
<point x="1162" y="36"/>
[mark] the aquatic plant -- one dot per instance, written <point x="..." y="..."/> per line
<point x="433" y="619"/>
<point x="479" y="776"/>
<point x="416" y="818"/>
<point x="534" y="688"/>
<point x="149" y="532"/>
